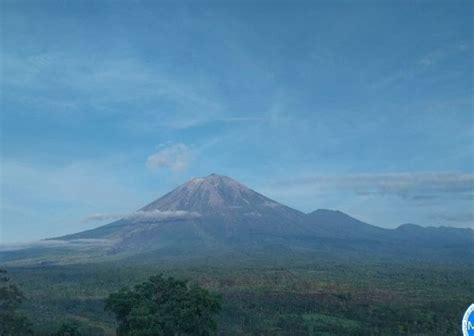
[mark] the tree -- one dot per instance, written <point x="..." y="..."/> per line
<point x="68" y="328"/>
<point x="11" y="322"/>
<point x="164" y="306"/>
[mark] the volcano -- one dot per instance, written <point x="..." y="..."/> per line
<point x="222" y="196"/>
<point x="216" y="215"/>
<point x="205" y="211"/>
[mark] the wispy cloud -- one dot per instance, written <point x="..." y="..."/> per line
<point x="100" y="217"/>
<point x="415" y="186"/>
<point x="466" y="217"/>
<point x="159" y="96"/>
<point x="439" y="54"/>
<point x="73" y="244"/>
<point x="155" y="215"/>
<point x="419" y="66"/>
<point x="175" y="157"/>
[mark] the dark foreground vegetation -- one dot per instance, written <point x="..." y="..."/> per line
<point x="313" y="299"/>
<point x="161" y="306"/>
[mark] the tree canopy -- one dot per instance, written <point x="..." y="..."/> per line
<point x="68" y="328"/>
<point x="11" y="322"/>
<point x="164" y="306"/>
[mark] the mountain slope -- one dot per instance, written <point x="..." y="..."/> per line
<point x="217" y="217"/>
<point x="204" y="211"/>
<point x="336" y="224"/>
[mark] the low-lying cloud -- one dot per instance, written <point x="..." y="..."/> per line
<point x="155" y="215"/>
<point x="74" y="244"/>
<point x="162" y="215"/>
<point x="102" y="217"/>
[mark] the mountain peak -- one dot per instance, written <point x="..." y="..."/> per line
<point x="213" y="181"/>
<point x="213" y="194"/>
<point x="213" y="177"/>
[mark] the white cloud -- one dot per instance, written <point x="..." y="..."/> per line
<point x="162" y="215"/>
<point x="75" y="244"/>
<point x="175" y="157"/>
<point x="99" y="217"/>
<point x="155" y="215"/>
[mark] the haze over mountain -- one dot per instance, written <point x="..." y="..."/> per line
<point x="216" y="215"/>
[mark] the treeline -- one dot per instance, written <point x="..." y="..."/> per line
<point x="318" y="299"/>
<point x="158" y="306"/>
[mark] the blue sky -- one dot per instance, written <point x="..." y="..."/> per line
<point x="365" y="107"/>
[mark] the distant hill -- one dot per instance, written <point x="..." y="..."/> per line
<point x="336" y="224"/>
<point x="218" y="217"/>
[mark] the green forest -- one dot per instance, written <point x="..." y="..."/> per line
<point x="333" y="298"/>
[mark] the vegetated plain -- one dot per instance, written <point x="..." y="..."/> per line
<point x="332" y="297"/>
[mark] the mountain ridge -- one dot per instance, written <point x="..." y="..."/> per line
<point x="221" y="198"/>
<point x="216" y="214"/>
